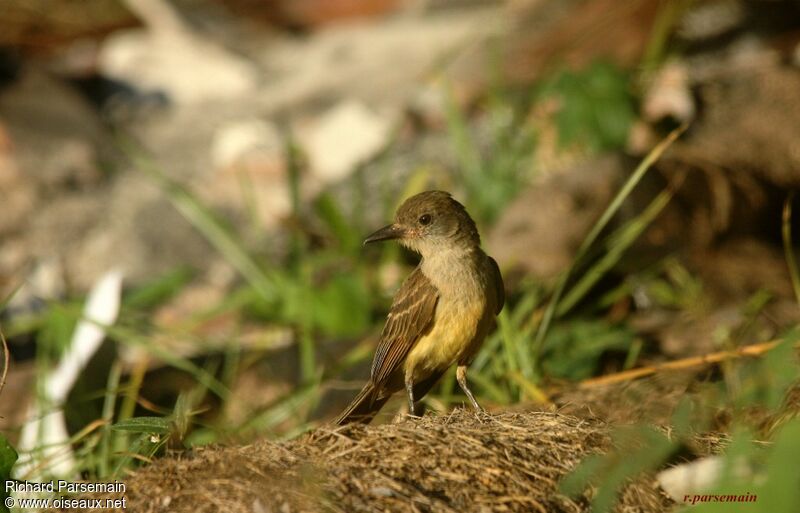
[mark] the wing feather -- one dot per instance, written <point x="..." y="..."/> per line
<point x="410" y="317"/>
<point x="499" y="286"/>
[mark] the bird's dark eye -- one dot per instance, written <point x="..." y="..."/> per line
<point x="425" y="219"/>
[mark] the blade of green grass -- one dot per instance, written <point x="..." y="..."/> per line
<point x="528" y="388"/>
<point x="138" y="372"/>
<point x="6" y="300"/>
<point x="129" y="336"/>
<point x="466" y="151"/>
<point x="159" y="290"/>
<point x="328" y="211"/>
<point x="285" y="408"/>
<point x="598" y="227"/>
<point x="219" y="235"/>
<point x="617" y="244"/>
<point x="490" y="389"/>
<point x="306" y="345"/>
<point x="788" y="250"/>
<point x="109" y="401"/>
<point x="669" y="13"/>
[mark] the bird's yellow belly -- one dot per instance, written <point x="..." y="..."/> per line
<point x="453" y="333"/>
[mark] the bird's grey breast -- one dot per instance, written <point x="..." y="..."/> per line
<point x="458" y="276"/>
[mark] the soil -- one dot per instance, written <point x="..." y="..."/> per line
<point x="460" y="462"/>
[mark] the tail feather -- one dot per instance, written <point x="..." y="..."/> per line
<point x="363" y="408"/>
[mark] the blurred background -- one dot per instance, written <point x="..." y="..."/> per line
<point x="195" y="177"/>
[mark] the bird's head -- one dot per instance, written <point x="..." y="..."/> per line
<point x="428" y="222"/>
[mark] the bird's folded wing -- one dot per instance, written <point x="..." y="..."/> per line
<point x="410" y="317"/>
<point x="499" y="286"/>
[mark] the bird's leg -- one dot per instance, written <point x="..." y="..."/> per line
<point x="461" y="377"/>
<point x="410" y="392"/>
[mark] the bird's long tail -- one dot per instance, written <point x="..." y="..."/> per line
<point x="363" y="408"/>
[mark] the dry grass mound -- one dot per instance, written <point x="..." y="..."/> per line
<point x="456" y="463"/>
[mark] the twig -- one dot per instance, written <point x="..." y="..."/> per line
<point x="683" y="363"/>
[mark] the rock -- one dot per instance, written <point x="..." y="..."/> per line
<point x="669" y="95"/>
<point x="58" y="230"/>
<point x="130" y="225"/>
<point x="533" y="235"/>
<point x="44" y="283"/>
<point x="138" y="230"/>
<point x="51" y="150"/>
<point x="356" y="60"/>
<point x="699" y="331"/>
<point x="170" y="58"/>
<point x="58" y="139"/>
<point x="741" y="266"/>
<point x="16" y="189"/>
<point x="700" y="476"/>
<point x="238" y="141"/>
<point x="711" y="19"/>
<point x="343" y="137"/>
<point x="684" y="479"/>
<point x="749" y="124"/>
<point x="222" y="144"/>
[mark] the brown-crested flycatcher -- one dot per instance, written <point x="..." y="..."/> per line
<point x="443" y="311"/>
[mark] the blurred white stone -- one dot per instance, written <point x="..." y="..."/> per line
<point x="429" y="102"/>
<point x="237" y="140"/>
<point x="250" y="171"/>
<point x="698" y="476"/>
<point x="345" y="136"/>
<point x="669" y="95"/>
<point x="688" y="478"/>
<point x="380" y="62"/>
<point x="45" y="283"/>
<point x="168" y="57"/>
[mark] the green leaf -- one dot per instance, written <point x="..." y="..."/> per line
<point x="8" y="456"/>
<point x="342" y="307"/>
<point x="781" y="492"/>
<point x="329" y="212"/>
<point x="57" y="326"/>
<point x="597" y="109"/>
<point x="573" y="350"/>
<point x="157" y="425"/>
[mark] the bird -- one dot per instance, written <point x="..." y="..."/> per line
<point x="443" y="311"/>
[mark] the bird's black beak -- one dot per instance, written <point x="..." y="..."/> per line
<point x="391" y="231"/>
